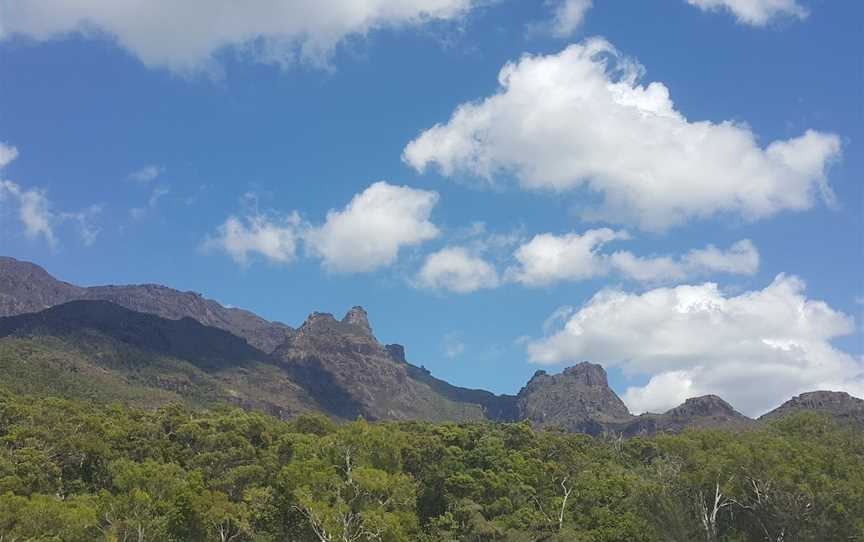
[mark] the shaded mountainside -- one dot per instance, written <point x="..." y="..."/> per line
<point x="149" y="344"/>
<point x="101" y="351"/>
<point x="26" y="287"/>
<point x="343" y="364"/>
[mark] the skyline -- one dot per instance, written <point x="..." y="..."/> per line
<point x="529" y="193"/>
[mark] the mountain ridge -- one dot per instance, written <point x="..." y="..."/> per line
<point x="338" y="366"/>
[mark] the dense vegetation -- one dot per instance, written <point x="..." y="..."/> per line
<point x="73" y="471"/>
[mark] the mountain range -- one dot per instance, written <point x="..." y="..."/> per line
<point x="149" y="345"/>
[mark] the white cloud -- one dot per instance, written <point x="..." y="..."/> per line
<point x="580" y="118"/>
<point x="741" y="258"/>
<point x="568" y="16"/>
<point x="457" y="270"/>
<point x="145" y="174"/>
<point x="547" y="259"/>
<point x="273" y="238"/>
<point x="369" y="232"/>
<point x="7" y="154"/>
<point x="34" y="211"/>
<point x="754" y="12"/>
<point x="694" y="340"/>
<point x="189" y="35"/>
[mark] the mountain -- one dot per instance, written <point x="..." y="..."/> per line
<point x="705" y="412"/>
<point x="342" y="363"/>
<point x="26" y="287"/>
<point x="579" y="399"/>
<point x="150" y="344"/>
<point x="838" y="405"/>
<point x="102" y="351"/>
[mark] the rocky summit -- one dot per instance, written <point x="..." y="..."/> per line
<point x="149" y="344"/>
<point x="579" y="399"/>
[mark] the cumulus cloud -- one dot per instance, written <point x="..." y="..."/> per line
<point x="693" y="340"/>
<point x="457" y="270"/>
<point x="273" y="238"/>
<point x="754" y="12"/>
<point x="364" y="236"/>
<point x="547" y="259"/>
<point x="145" y="174"/>
<point x="580" y="119"/>
<point x="369" y="232"/>
<point x="568" y="16"/>
<point x="188" y="35"/>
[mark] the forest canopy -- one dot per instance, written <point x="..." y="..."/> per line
<point x="74" y="471"/>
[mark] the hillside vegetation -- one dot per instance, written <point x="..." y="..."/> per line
<point x="72" y="471"/>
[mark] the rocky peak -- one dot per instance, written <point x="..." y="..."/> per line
<point x="579" y="399"/>
<point x="588" y="374"/>
<point x="825" y="399"/>
<point x="357" y="317"/>
<point x="839" y="405"/>
<point x="317" y="319"/>
<point x="706" y="405"/>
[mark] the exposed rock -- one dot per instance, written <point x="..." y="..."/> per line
<point x="352" y="374"/>
<point x="579" y="399"/>
<point x="839" y="405"/>
<point x="396" y="352"/>
<point x="357" y="317"/>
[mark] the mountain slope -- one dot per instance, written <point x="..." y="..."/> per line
<point x="344" y="365"/>
<point x="26" y="287"/>
<point x="838" y="405"/>
<point x="705" y="412"/>
<point x="102" y="351"/>
<point x="578" y="399"/>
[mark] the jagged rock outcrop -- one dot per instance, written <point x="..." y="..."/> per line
<point x="579" y="399"/>
<point x="705" y="412"/>
<point x="838" y="405"/>
<point x="352" y="374"/>
<point x="26" y="287"/>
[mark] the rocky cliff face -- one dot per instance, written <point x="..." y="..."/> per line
<point x="26" y="287"/>
<point x="343" y="364"/>
<point x="579" y="399"/>
<point x="838" y="405"/>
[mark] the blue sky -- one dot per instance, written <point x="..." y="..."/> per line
<point x="635" y="137"/>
